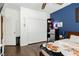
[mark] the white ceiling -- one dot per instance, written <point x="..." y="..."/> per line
<point x="50" y="7"/>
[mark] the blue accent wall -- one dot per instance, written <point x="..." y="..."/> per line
<point x="68" y="16"/>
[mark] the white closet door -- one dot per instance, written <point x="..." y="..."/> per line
<point x="33" y="26"/>
<point x="43" y="30"/>
<point x="36" y="30"/>
<point x="34" y="33"/>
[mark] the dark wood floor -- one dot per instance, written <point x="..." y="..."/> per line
<point x="29" y="50"/>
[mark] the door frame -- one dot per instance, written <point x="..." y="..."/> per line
<point x="1" y="28"/>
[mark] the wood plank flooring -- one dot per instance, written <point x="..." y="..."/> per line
<point x="29" y="50"/>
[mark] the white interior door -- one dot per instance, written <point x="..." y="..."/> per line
<point x="10" y="37"/>
<point x="10" y="32"/>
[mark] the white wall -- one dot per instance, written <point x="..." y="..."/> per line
<point x="33" y="26"/>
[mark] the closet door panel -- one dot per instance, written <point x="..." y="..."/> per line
<point x="34" y="32"/>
